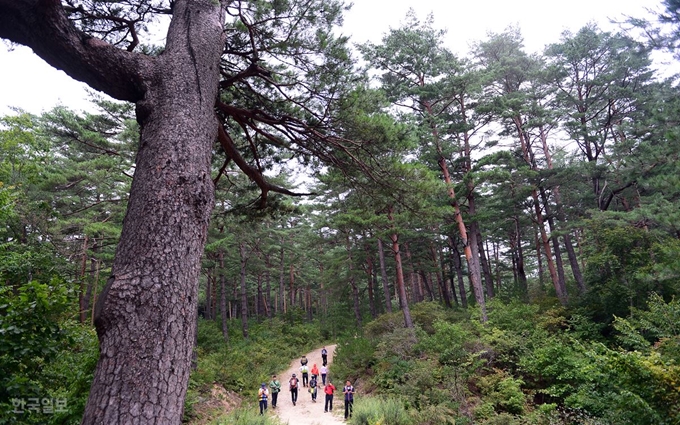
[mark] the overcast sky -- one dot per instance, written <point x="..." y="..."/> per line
<point x="29" y="83"/>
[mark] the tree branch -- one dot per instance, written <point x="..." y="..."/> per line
<point x="255" y="175"/>
<point x="43" y="26"/>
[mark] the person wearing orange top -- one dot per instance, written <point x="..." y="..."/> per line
<point x="315" y="371"/>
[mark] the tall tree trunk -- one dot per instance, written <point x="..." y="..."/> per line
<point x="555" y="240"/>
<point x="370" y="275"/>
<point x="539" y="260"/>
<point x="260" y="308"/>
<point x="208" y="293"/>
<point x="428" y="286"/>
<point x="223" y="296"/>
<point x="383" y="276"/>
<point x="440" y="275"/>
<point x="83" y="282"/>
<point x="401" y="290"/>
<point x="516" y="243"/>
<point x="244" y="289"/>
<point x="93" y="280"/>
<point x="486" y="270"/>
<point x="282" y="288"/>
<point x="573" y="261"/>
<point x="353" y="284"/>
<point x="412" y="279"/>
<point x="291" y="279"/>
<point x="469" y="240"/>
<point x="458" y="264"/>
<point x="146" y="314"/>
<point x="528" y="158"/>
<point x="268" y="288"/>
<point x="560" y="290"/>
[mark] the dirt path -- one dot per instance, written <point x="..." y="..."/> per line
<point x="305" y="412"/>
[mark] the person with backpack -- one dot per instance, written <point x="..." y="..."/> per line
<point x="324" y="372"/>
<point x="329" y="389"/>
<point x="262" y="395"/>
<point x="348" y="391"/>
<point x="313" y="388"/>
<point x="304" y="361"/>
<point x="305" y="374"/>
<point x="315" y="372"/>
<point x="324" y="356"/>
<point x="293" y="386"/>
<point x="274" y="389"/>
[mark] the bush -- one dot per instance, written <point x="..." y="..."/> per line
<point x="378" y="411"/>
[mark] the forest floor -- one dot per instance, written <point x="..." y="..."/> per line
<point x="306" y="412"/>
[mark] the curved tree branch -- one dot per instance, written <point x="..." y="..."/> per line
<point x="43" y="26"/>
<point x="254" y="174"/>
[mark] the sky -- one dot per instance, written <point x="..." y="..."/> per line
<point x="29" y="83"/>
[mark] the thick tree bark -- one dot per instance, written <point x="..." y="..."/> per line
<point x="146" y="314"/>
<point x="383" y="275"/>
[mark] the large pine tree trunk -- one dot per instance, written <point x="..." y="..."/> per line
<point x="383" y="276"/>
<point x="146" y="315"/>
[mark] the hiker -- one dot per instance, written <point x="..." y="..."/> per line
<point x="324" y="372"/>
<point x="305" y="374"/>
<point x="262" y="394"/>
<point x="274" y="389"/>
<point x="293" y="385"/>
<point x="315" y="372"/>
<point x="324" y="356"/>
<point x="328" y="389"/>
<point x="313" y="388"/>
<point x="303" y="361"/>
<point x="348" y="390"/>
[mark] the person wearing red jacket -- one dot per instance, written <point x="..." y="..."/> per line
<point x="328" y="389"/>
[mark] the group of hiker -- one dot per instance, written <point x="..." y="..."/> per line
<point x="312" y="384"/>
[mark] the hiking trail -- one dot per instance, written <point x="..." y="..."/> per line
<point x="305" y="412"/>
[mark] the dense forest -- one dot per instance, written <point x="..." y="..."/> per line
<point x="490" y="238"/>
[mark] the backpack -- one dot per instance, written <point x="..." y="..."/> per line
<point x="293" y="383"/>
<point x="262" y="394"/>
<point x="304" y="369"/>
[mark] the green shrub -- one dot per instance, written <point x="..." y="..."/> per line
<point x="378" y="411"/>
<point x="502" y="392"/>
<point x="354" y="357"/>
